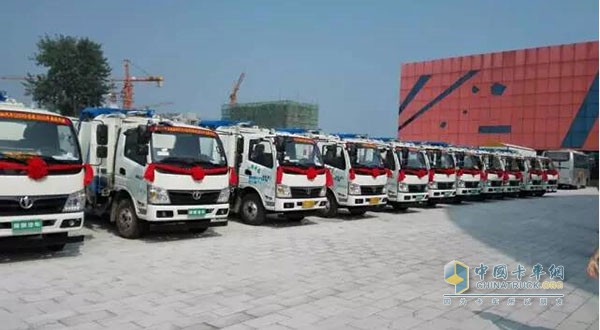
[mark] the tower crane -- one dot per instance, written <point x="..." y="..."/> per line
<point x="235" y="89"/>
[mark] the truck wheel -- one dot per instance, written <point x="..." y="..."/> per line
<point x="331" y="207"/>
<point x="252" y="211"/>
<point x="128" y="224"/>
<point x="57" y="247"/>
<point x="357" y="211"/>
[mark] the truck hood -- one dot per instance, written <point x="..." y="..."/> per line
<point x="53" y="184"/>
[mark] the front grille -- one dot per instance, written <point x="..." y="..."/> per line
<point x="536" y="182"/>
<point x="514" y="183"/>
<point x="495" y="183"/>
<point x="41" y="205"/>
<point x="552" y="181"/>
<point x="305" y="192"/>
<point x="471" y="184"/>
<point x="416" y="188"/>
<point x="445" y="185"/>
<point x="186" y="197"/>
<point x="371" y="190"/>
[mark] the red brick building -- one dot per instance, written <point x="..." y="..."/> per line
<point x="543" y="98"/>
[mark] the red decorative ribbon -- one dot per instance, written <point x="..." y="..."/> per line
<point x="536" y="172"/>
<point x="468" y="171"/>
<point x="374" y="172"/>
<point x="552" y="172"/>
<point x="233" y="178"/>
<point x="38" y="169"/>
<point x="446" y="171"/>
<point x="311" y="172"/>
<point x="517" y="174"/>
<point x="499" y="173"/>
<point x="196" y="172"/>
<point x="409" y="171"/>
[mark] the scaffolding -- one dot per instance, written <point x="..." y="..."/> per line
<point x="275" y="114"/>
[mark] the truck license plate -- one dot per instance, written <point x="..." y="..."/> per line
<point x="26" y="226"/>
<point x="196" y="212"/>
<point x="308" y="204"/>
<point x="374" y="201"/>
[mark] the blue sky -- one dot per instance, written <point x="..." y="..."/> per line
<point x="344" y="55"/>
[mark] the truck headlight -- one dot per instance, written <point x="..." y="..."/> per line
<point x="488" y="183"/>
<point x="223" y="196"/>
<point x="157" y="195"/>
<point x="323" y="192"/>
<point x="354" y="189"/>
<point x="461" y="184"/>
<point x="284" y="191"/>
<point x="402" y="187"/>
<point x="75" y="202"/>
<point x="453" y="185"/>
<point x="433" y="185"/>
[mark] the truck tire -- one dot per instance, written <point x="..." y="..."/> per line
<point x="252" y="210"/>
<point x="57" y="247"/>
<point x="356" y="211"/>
<point x="331" y="207"/>
<point x="128" y="224"/>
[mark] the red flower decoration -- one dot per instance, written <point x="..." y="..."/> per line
<point x="197" y="173"/>
<point x="311" y="173"/>
<point x="37" y="168"/>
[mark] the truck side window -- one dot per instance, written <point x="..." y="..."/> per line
<point x="131" y="148"/>
<point x="333" y="155"/>
<point x="261" y="153"/>
<point x="388" y="158"/>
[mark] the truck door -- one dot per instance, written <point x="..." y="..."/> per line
<point x="389" y="160"/>
<point x="335" y="159"/>
<point x="129" y="169"/>
<point x="257" y="168"/>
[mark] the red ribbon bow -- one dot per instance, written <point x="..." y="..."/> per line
<point x="446" y="171"/>
<point x="311" y="172"/>
<point x="374" y="172"/>
<point x="38" y="169"/>
<point x="468" y="171"/>
<point x="196" y="172"/>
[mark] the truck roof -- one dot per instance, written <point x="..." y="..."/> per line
<point x="11" y="105"/>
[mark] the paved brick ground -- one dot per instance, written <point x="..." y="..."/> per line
<point x="383" y="270"/>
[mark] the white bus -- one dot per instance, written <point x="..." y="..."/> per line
<point x="573" y="167"/>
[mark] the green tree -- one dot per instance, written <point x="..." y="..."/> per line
<point x="77" y="74"/>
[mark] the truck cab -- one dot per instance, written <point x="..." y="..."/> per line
<point x="552" y="174"/>
<point x="359" y="175"/>
<point x="468" y="175"/>
<point x="442" y="175"/>
<point x="533" y="183"/>
<point x="43" y="178"/>
<point x="153" y="171"/>
<point x="514" y="166"/>
<point x="492" y="180"/>
<point x="278" y="173"/>
<point x="407" y="183"/>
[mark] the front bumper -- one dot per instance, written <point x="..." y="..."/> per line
<point x="492" y="189"/>
<point x="363" y="200"/>
<point x="216" y="213"/>
<point x="438" y="193"/>
<point x="533" y="187"/>
<point x="408" y="197"/>
<point x="552" y="188"/>
<point x="511" y="189"/>
<point x="51" y="224"/>
<point x="468" y="191"/>
<point x="298" y="204"/>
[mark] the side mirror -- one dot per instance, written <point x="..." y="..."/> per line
<point x="101" y="152"/>
<point x="240" y="145"/>
<point x="142" y="150"/>
<point x="143" y="134"/>
<point x="102" y="135"/>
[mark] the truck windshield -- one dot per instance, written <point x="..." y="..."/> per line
<point x="411" y="159"/>
<point x="300" y="152"/>
<point x="51" y="138"/>
<point x="535" y="164"/>
<point x="365" y="155"/>
<point x="472" y="162"/>
<point x="440" y="159"/>
<point x="493" y="162"/>
<point x="547" y="164"/>
<point x="187" y="148"/>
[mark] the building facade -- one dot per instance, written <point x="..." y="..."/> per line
<point x="275" y="114"/>
<point x="543" y="98"/>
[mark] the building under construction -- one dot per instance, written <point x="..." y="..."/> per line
<point x="275" y="114"/>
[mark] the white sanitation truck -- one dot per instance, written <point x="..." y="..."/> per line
<point x="153" y="171"/>
<point x="277" y="172"/>
<point x="42" y="178"/>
